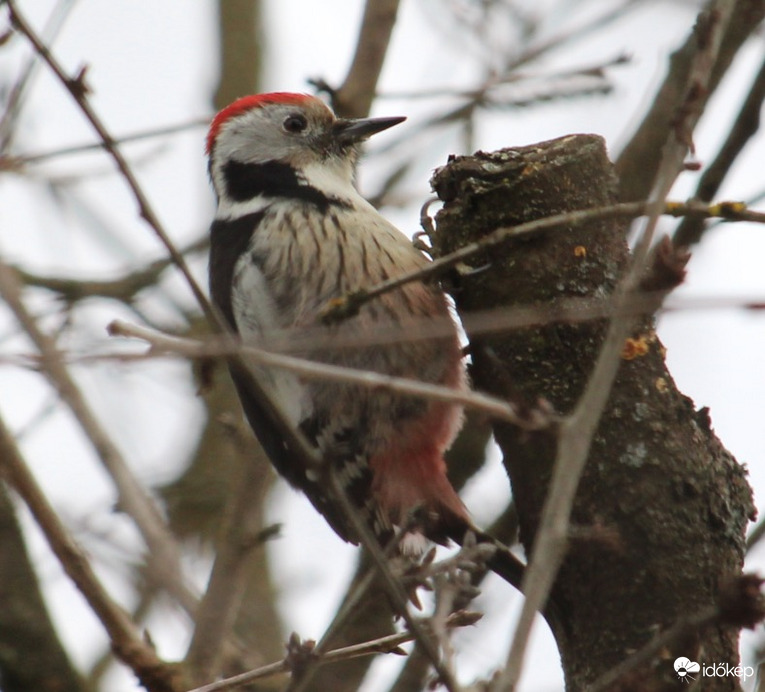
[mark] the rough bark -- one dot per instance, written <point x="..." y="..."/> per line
<point x="660" y="513"/>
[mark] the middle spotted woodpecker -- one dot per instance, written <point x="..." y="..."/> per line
<point x="291" y="234"/>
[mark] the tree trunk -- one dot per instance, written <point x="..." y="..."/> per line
<point x="660" y="512"/>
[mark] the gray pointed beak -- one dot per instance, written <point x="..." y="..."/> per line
<point x="352" y="131"/>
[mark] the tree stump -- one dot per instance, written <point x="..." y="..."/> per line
<point x="660" y="513"/>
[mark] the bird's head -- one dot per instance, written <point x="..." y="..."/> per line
<point x="297" y="131"/>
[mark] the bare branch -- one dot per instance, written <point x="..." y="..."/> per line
<point x="384" y="645"/>
<point x="576" y="432"/>
<point x="493" y="321"/>
<point x="470" y="558"/>
<point x="348" y="305"/>
<point x="353" y="99"/>
<point x="228" y="580"/>
<point x="14" y="162"/>
<point x="755" y="535"/>
<point x="124" y="288"/>
<point x="362" y="613"/>
<point x="481" y="322"/>
<point x="32" y="653"/>
<point x="395" y="591"/>
<point x="452" y="583"/>
<point x="639" y="161"/>
<point x="740" y="605"/>
<point x="743" y="129"/>
<point x="510" y="82"/>
<point x="164" y="344"/>
<point x="127" y="641"/>
<point x="241" y="41"/>
<point x="13" y="100"/>
<point x="78" y="90"/>
<point x="133" y="498"/>
<point x="570" y="35"/>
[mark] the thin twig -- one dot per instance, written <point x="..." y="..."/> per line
<point x="353" y="99"/>
<point x="292" y="437"/>
<point x="639" y="160"/>
<point x="190" y="348"/>
<point x="360" y="588"/>
<point x="447" y="586"/>
<point x="577" y="430"/>
<point x="492" y="321"/>
<point x="43" y="156"/>
<point x="218" y="608"/>
<point x="570" y="35"/>
<point x="133" y="498"/>
<point x="124" y="288"/>
<point x="13" y="100"/>
<point x="502" y="80"/>
<point x="743" y="129"/>
<point x="78" y="89"/>
<point x="126" y="639"/>
<point x="483" y="322"/>
<point x="383" y="645"/>
<point x="661" y="642"/>
<point x="339" y="620"/>
<point x="755" y="535"/>
<point x="392" y="585"/>
<point x="348" y="305"/>
<point x="344" y="613"/>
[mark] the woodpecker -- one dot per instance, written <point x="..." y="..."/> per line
<point x="292" y="233"/>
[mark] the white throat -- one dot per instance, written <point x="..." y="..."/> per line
<point x="333" y="178"/>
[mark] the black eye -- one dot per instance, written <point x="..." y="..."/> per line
<point x="295" y="123"/>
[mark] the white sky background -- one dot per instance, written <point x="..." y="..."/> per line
<point x="153" y="64"/>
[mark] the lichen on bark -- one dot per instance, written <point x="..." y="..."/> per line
<point x="661" y="510"/>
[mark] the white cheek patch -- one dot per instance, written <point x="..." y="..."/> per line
<point x="334" y="180"/>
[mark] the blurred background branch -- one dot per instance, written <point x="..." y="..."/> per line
<point x="469" y="75"/>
